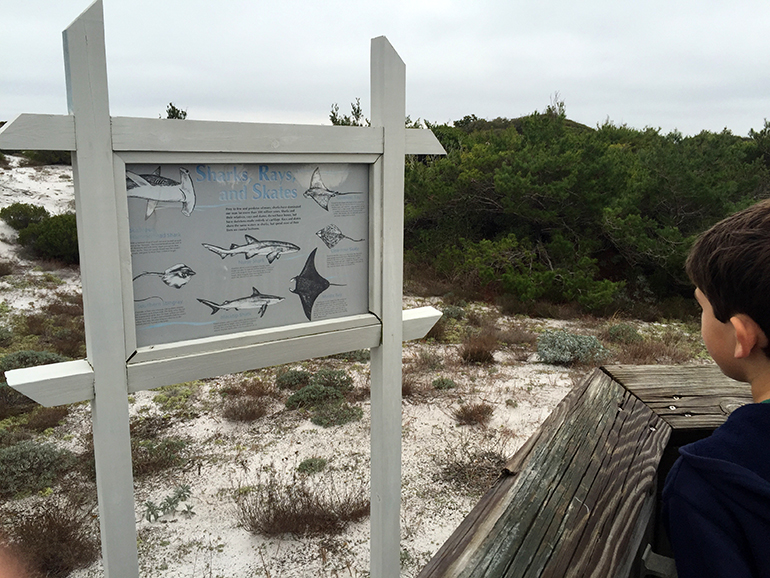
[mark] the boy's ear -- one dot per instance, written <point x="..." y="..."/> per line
<point x="748" y="335"/>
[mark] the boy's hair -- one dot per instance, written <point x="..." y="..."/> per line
<point x="730" y="264"/>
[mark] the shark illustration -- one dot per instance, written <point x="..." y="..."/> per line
<point x="157" y="189"/>
<point x="175" y="276"/>
<point x="319" y="193"/>
<point x="271" y="249"/>
<point x="254" y="301"/>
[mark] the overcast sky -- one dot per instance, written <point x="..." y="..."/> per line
<point x="689" y="65"/>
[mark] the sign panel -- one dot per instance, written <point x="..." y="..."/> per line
<point x="226" y="248"/>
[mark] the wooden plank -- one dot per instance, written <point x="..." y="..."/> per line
<point x="157" y="135"/>
<point x="388" y="98"/>
<point x="54" y="384"/>
<point x="686" y="397"/>
<point x="464" y="546"/>
<point x="152" y="374"/>
<point x="100" y="255"/>
<point x="578" y="492"/>
<point x="39" y="132"/>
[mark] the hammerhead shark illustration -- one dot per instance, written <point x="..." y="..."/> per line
<point x="271" y="249"/>
<point x="157" y="189"/>
<point x="319" y="193"/>
<point x="254" y="301"/>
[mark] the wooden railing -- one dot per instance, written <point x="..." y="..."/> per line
<point x="580" y="497"/>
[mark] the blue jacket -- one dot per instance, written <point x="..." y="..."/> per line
<point x="716" y="500"/>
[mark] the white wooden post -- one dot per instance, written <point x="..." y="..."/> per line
<point x="101" y="258"/>
<point x="388" y="90"/>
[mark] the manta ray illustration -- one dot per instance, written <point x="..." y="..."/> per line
<point x="331" y="235"/>
<point x="271" y="249"/>
<point x="254" y="301"/>
<point x="309" y="285"/>
<point x="175" y="276"/>
<point x="157" y="189"/>
<point x="320" y="194"/>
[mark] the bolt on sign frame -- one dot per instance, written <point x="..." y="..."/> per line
<point x="107" y="154"/>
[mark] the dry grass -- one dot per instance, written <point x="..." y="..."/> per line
<point x="479" y="347"/>
<point x="474" y="413"/>
<point x="302" y="507"/>
<point x="55" y="538"/>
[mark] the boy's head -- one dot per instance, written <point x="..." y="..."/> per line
<point x="730" y="264"/>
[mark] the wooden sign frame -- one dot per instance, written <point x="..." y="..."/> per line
<point x="115" y="367"/>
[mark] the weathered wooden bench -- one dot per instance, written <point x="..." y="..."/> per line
<point x="580" y="497"/>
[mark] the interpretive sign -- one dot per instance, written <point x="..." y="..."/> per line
<point x="209" y="248"/>
<point x="218" y="249"/>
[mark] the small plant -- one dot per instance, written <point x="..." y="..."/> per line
<point x="564" y="348"/>
<point x="177" y="399"/>
<point x="359" y="356"/>
<point x="453" y="312"/>
<point x="443" y="383"/>
<point x="244" y="408"/>
<point x="312" y="465"/>
<point x="7" y="268"/>
<point x="29" y="466"/>
<point x="313" y="395"/>
<point x="334" y="378"/>
<point x="470" y="467"/>
<point x="479" y="347"/>
<point x="474" y="413"/>
<point x="19" y="216"/>
<point x="332" y="414"/>
<point x="43" y="418"/>
<point x="293" y="379"/>
<point x="427" y="360"/>
<point x="153" y="512"/>
<point x="623" y="333"/>
<point x="152" y="456"/>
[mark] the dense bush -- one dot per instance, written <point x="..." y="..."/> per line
<point x="541" y="208"/>
<point x="335" y="378"/>
<point x="293" y="379"/>
<point x="313" y="395"/>
<point x="53" y="238"/>
<point x="30" y="466"/>
<point x="21" y="215"/>
<point x="564" y="348"/>
<point x="40" y="158"/>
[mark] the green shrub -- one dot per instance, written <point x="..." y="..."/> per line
<point x="623" y="333"/>
<point x="28" y="467"/>
<point x="40" y="158"/>
<point x="443" y="383"/>
<point x="334" y="378"/>
<point x="312" y="465"/>
<point x="331" y="414"/>
<point x="453" y="312"/>
<point x="313" y="395"/>
<point x="293" y="379"/>
<point x="21" y="215"/>
<point x="564" y="348"/>
<point x="53" y="238"/>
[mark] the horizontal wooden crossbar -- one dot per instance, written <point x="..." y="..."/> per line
<point x="73" y="381"/>
<point x="57" y="132"/>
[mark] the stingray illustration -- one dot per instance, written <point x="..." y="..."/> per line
<point x="331" y="235"/>
<point x="309" y="284"/>
<point x="320" y="194"/>
<point x="256" y="300"/>
<point x="157" y="189"/>
<point x="175" y="276"/>
<point x="271" y="249"/>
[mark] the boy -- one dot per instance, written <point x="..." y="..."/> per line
<point x="716" y="500"/>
